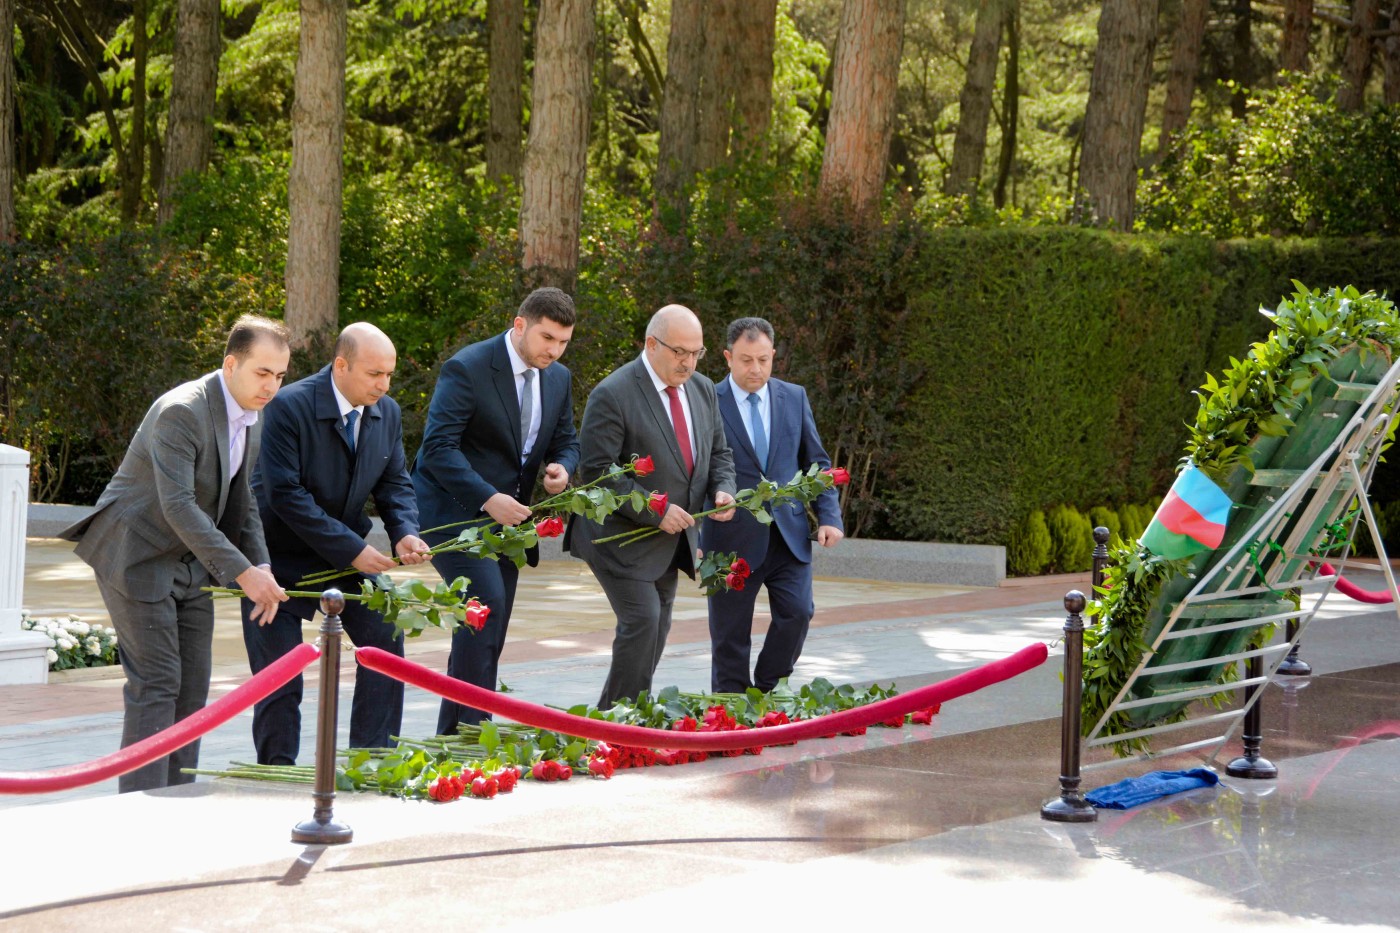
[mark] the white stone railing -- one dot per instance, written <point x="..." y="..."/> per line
<point x="22" y="654"/>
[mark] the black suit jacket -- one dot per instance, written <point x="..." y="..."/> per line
<point x="471" y="444"/>
<point x="312" y="491"/>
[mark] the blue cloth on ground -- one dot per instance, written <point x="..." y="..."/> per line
<point x="1132" y="792"/>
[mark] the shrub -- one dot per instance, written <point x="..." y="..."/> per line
<point x="1103" y="516"/>
<point x="1029" y="547"/>
<point x="1071" y="539"/>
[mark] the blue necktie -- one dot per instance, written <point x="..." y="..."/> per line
<point x="760" y="437"/>
<point x="351" y="417"/>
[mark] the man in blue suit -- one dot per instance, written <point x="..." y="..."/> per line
<point x="330" y="442"/>
<point x="501" y="412"/>
<point x="771" y="430"/>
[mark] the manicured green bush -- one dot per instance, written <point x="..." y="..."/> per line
<point x="1028" y="547"/>
<point x="1103" y="516"/>
<point x="1071" y="539"/>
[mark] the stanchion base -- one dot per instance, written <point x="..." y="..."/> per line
<point x="1294" y="667"/>
<point x="313" y="832"/>
<point x="1062" y="810"/>
<point x="1253" y="768"/>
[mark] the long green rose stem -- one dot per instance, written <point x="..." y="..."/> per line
<point x="750" y="500"/>
<point x="544" y="505"/>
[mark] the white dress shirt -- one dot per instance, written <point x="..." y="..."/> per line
<point x="518" y="367"/>
<point x="661" y="388"/>
<point x="239" y="421"/>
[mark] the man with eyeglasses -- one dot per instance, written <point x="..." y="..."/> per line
<point x="656" y="406"/>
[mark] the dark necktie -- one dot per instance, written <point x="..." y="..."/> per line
<point x="760" y="437"/>
<point x="351" y="417"/>
<point x="682" y="433"/>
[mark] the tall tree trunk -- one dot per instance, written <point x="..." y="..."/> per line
<point x="1113" y="118"/>
<point x="1391" y="58"/>
<point x="1297" y="33"/>
<point x="753" y="91"/>
<point x="315" y="184"/>
<point x="717" y="81"/>
<point x="866" y="66"/>
<point x="1181" y="77"/>
<point x="189" y="130"/>
<point x="975" y="101"/>
<point x="1010" y="103"/>
<point x="7" y="121"/>
<point x="1242" y="63"/>
<point x="556" y="156"/>
<point x="133" y="179"/>
<point x="680" y="103"/>
<point x="1356" y="60"/>
<point x="505" y="21"/>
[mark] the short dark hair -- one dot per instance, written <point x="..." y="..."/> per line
<point x="552" y="303"/>
<point x="248" y="328"/>
<point x="749" y="327"/>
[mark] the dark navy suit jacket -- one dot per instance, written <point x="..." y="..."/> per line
<point x="472" y="443"/>
<point x="312" y="491"/>
<point x="793" y="447"/>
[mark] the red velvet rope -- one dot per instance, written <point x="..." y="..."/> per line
<point x="167" y="740"/>
<point x="1347" y="588"/>
<point x="555" y="720"/>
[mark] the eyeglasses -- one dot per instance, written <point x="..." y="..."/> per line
<point x="681" y="354"/>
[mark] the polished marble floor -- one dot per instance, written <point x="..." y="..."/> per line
<point x="914" y="827"/>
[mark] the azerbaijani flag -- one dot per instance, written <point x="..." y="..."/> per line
<point x="1191" y="519"/>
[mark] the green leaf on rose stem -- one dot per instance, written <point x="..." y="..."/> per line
<point x="574" y="749"/>
<point x="490" y="738"/>
<point x="638" y="501"/>
<point x="579" y="710"/>
<point x="420" y="590"/>
<point x="668" y="694"/>
<point x="763" y="517"/>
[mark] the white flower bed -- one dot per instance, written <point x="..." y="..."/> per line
<point x="73" y="642"/>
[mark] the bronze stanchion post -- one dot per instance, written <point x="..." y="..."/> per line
<point x="1070" y="806"/>
<point x="1101" y="536"/>
<point x="323" y="828"/>
<point x="1251" y="764"/>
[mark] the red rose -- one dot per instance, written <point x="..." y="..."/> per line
<point x="600" y="768"/>
<point x="541" y="771"/>
<point x="840" y="476"/>
<point x="564" y="770"/>
<point x="894" y="722"/>
<point x="685" y="724"/>
<point x="741" y="567"/>
<point x="643" y="466"/>
<point x="484" y="787"/>
<point x="657" y="502"/>
<point x="477" y="614"/>
<point x="924" y="717"/>
<point x="551" y="527"/>
<point x="734" y="581"/>
<point x="506" y="779"/>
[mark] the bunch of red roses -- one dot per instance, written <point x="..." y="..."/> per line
<point x="481" y="784"/>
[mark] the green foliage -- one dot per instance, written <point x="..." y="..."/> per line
<point x="1253" y="400"/>
<point x="92" y="334"/>
<point x="1071" y="539"/>
<point x="1101" y="516"/>
<point x="1028" y="547"/>
<point x="1296" y="165"/>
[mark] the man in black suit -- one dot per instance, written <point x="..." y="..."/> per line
<point x="501" y="412"/>
<point x="770" y="427"/>
<point x="330" y="442"/>
<point x="656" y="406"/>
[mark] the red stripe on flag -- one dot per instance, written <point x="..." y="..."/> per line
<point x="1179" y="518"/>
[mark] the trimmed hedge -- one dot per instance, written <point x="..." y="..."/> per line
<point x="967" y="377"/>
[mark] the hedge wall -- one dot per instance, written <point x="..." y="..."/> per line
<point x="967" y="376"/>
<point x="1059" y="364"/>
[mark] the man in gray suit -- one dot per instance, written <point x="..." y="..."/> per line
<point x="655" y="406"/>
<point x="177" y="515"/>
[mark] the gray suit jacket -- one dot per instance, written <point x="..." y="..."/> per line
<point x="172" y="497"/>
<point x="625" y="418"/>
